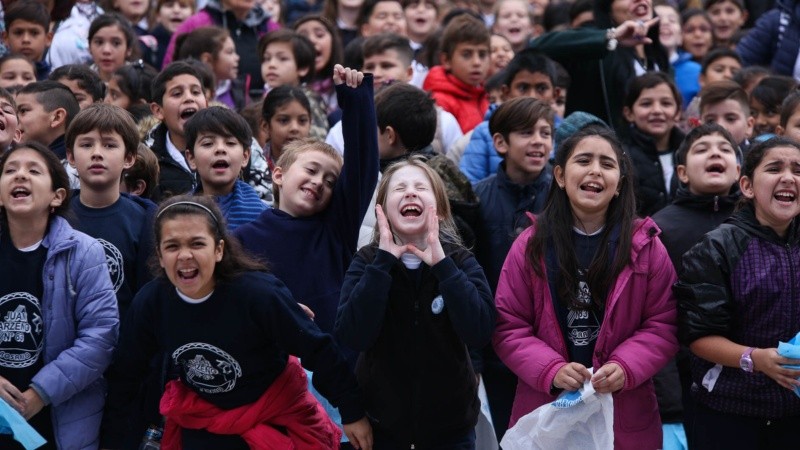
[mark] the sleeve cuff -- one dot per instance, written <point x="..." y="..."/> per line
<point x="42" y="394"/>
<point x="351" y="410"/>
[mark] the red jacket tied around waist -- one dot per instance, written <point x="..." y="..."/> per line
<point x="287" y="405"/>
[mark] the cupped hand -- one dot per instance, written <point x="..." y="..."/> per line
<point x="359" y="433"/>
<point x="433" y="252"/>
<point x="571" y="376"/>
<point x="12" y="395"/>
<point x="634" y="32"/>
<point x="386" y="241"/>
<point x="609" y="378"/>
<point x="32" y="404"/>
<point x="351" y="77"/>
<point x="769" y="362"/>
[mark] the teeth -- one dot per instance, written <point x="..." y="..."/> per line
<point x="785" y="196"/>
<point x="410" y="208"/>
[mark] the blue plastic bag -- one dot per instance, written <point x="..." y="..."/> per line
<point x="11" y="422"/>
<point x="791" y="350"/>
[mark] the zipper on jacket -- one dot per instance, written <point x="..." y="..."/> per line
<point x="791" y="270"/>
<point x="716" y="203"/>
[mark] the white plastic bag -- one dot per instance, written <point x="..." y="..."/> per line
<point x="581" y="419"/>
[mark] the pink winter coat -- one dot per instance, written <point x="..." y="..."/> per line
<point x="638" y="333"/>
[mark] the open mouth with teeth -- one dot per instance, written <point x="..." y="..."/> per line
<point x="220" y="165"/>
<point x="411" y="211"/>
<point x="2" y="126"/>
<point x="188" y="274"/>
<point x="784" y="196"/>
<point x="20" y="192"/>
<point x="715" y="168"/>
<point x="592" y="187"/>
<point x="188" y="113"/>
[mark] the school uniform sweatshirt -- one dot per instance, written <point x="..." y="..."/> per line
<point x="311" y="254"/>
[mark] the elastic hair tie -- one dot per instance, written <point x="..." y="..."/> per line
<point x="195" y="204"/>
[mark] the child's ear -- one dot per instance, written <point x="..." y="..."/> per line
<point x="680" y="170"/>
<point x="71" y="159"/>
<point x="158" y="113"/>
<point x="265" y="129"/>
<point x="5" y="36"/>
<point x="58" y="118"/>
<point x="139" y="188"/>
<point x="130" y="159"/>
<point x="190" y="160"/>
<point x="779" y="130"/>
<point x="558" y="176"/>
<point x="49" y="38"/>
<point x="391" y="135"/>
<point x="504" y="90"/>
<point x="409" y="73"/>
<point x="746" y="186"/>
<point x="751" y="122"/>
<point x="500" y="144"/>
<point x="206" y="58"/>
<point x="277" y="177"/>
<point x="628" y="114"/>
<point x="701" y="80"/>
<point x="246" y="154"/>
<point x="302" y="72"/>
<point x="59" y="195"/>
<point x="444" y="60"/>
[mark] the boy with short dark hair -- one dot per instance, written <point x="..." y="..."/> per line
<point x="381" y="16"/>
<point x="218" y="149"/>
<point x="84" y="83"/>
<point x="178" y="94"/>
<point x="726" y="103"/>
<point x="529" y="74"/>
<point x="101" y="144"/>
<point x="45" y="109"/>
<point x="457" y="85"/>
<point x="708" y="168"/>
<point x="28" y="32"/>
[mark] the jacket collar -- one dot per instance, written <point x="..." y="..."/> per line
<point x="59" y="237"/>
<point x="541" y="182"/>
<point x="745" y="218"/>
<point x="683" y="197"/>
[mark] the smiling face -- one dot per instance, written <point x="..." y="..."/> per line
<point x="727" y="18"/>
<point x="9" y="124"/>
<point x="775" y="188"/>
<point x="16" y="73"/>
<point x="290" y="122"/>
<point x="469" y="62"/>
<point x="386" y="17"/>
<point x="526" y="152"/>
<point x="183" y="96"/>
<point x="590" y="178"/>
<point x="99" y="159"/>
<point x="322" y="40"/>
<point x="218" y="161"/>
<point x="307" y="185"/>
<point x="188" y="254"/>
<point x="226" y="61"/>
<point x="655" y="111"/>
<point x="711" y="167"/>
<point x="278" y="66"/>
<point x="500" y="54"/>
<point x="513" y="21"/>
<point x="669" y="27"/>
<point x="26" y="187"/>
<point x="172" y="14"/>
<point x="109" y="50"/>
<point x="409" y="194"/>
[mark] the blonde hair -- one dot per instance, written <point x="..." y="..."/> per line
<point x="448" y="232"/>
<point x="294" y="149"/>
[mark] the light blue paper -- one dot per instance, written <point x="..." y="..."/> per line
<point x="791" y="350"/>
<point x="11" y="422"/>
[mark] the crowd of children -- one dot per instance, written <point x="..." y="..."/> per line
<point x="396" y="224"/>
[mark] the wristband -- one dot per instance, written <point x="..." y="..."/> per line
<point x="611" y="40"/>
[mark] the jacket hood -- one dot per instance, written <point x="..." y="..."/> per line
<point x="646" y="142"/>
<point x="644" y="230"/>
<point x="745" y="218"/>
<point x="254" y="17"/>
<point x="440" y="80"/>
<point x="685" y="198"/>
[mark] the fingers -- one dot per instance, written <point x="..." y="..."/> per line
<point x="307" y="310"/>
<point x="12" y="395"/>
<point x="571" y="377"/>
<point x="610" y="378"/>
<point x="351" y="77"/>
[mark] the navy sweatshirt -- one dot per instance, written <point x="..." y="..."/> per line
<point x="125" y="229"/>
<point x="311" y="254"/>
<point x="228" y="349"/>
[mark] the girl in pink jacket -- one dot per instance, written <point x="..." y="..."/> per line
<point x="589" y="285"/>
